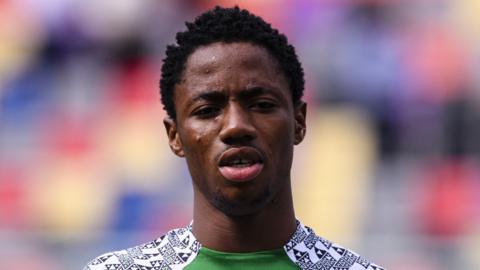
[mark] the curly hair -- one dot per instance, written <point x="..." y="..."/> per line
<point x="227" y="25"/>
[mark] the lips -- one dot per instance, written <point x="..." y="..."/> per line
<point x="240" y="164"/>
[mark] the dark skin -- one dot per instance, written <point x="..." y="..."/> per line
<point x="234" y="98"/>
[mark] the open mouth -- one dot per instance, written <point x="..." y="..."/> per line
<point x="240" y="164"/>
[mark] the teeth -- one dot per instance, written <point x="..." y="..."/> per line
<point x="241" y="162"/>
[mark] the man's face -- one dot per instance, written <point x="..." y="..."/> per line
<point x="236" y="125"/>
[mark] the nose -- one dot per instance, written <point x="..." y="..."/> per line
<point x="237" y="126"/>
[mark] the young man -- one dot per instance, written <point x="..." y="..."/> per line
<point x="232" y="88"/>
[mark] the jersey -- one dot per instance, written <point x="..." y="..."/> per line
<point x="179" y="250"/>
<point x="266" y="260"/>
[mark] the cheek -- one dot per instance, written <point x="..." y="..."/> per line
<point x="197" y="138"/>
<point x="279" y="131"/>
<point x="279" y="137"/>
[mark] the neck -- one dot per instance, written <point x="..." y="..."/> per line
<point x="267" y="229"/>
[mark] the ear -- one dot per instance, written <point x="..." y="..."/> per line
<point x="173" y="136"/>
<point x="300" y="111"/>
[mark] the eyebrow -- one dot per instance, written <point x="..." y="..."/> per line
<point x="260" y="90"/>
<point x="218" y="95"/>
<point x="255" y="91"/>
<point x="210" y="95"/>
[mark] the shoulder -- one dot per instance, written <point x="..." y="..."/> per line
<point x="310" y="251"/>
<point x="176" y="248"/>
<point x="123" y="259"/>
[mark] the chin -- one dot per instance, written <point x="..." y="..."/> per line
<point x="241" y="206"/>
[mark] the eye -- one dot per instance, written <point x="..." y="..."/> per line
<point x="206" y="111"/>
<point x="263" y="105"/>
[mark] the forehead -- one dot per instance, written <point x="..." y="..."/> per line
<point x="209" y="58"/>
<point x="230" y="69"/>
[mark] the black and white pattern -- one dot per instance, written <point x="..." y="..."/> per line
<point x="173" y="251"/>
<point x="312" y="252"/>
<point x="178" y="248"/>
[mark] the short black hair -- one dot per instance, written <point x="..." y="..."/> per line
<point x="227" y="25"/>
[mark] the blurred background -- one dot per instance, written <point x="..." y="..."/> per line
<point x="389" y="167"/>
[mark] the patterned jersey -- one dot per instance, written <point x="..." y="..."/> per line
<point x="178" y="249"/>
